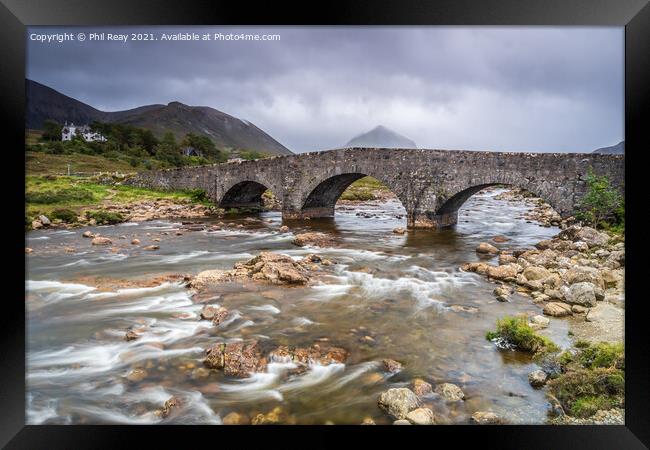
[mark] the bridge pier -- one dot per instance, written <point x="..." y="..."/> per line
<point x="432" y="221"/>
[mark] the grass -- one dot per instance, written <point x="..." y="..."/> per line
<point x="592" y="379"/>
<point x="363" y="189"/>
<point x="47" y="194"/>
<point x="516" y="332"/>
<point x="38" y="163"/>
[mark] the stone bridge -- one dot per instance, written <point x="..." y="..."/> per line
<point x="431" y="184"/>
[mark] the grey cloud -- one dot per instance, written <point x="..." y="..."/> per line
<point x="508" y="88"/>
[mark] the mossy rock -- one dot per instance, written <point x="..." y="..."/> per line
<point x="515" y="331"/>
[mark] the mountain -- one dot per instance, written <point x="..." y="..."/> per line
<point x="225" y="130"/>
<point x="382" y="137"/>
<point x="618" y="149"/>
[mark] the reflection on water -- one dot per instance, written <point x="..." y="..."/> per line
<point x="389" y="296"/>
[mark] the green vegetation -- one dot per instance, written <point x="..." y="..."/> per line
<point x="134" y="148"/>
<point x="516" y="332"/>
<point x="64" y="215"/>
<point x="250" y="155"/>
<point x="104" y="217"/>
<point x="602" y="206"/>
<point x="363" y="189"/>
<point x="61" y="197"/>
<point x="592" y="379"/>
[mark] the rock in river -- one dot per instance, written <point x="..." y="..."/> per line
<point x="421" y="416"/>
<point x="398" y="402"/>
<point x="450" y="392"/>
<point x="392" y="366"/>
<point x="557" y="309"/>
<point x="101" y="241"/>
<point x="486" y="248"/>
<point x="537" y="378"/>
<point x="237" y="359"/>
<point x="485" y="418"/>
<point x="315" y="239"/>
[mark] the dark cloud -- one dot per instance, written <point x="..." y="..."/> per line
<point x="507" y="88"/>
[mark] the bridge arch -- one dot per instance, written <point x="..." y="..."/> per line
<point x="447" y="203"/>
<point x="246" y="193"/>
<point x="319" y="197"/>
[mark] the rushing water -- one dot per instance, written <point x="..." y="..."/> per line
<point x="404" y="291"/>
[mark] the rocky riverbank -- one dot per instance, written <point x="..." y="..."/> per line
<point x="579" y="273"/>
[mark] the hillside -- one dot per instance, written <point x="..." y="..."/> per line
<point x="618" y="149"/>
<point x="225" y="130"/>
<point x="383" y="137"/>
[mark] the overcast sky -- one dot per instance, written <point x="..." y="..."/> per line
<point x="537" y="89"/>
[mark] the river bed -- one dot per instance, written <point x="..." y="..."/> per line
<point x="405" y="292"/>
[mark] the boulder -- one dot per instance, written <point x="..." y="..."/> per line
<point x="136" y="375"/>
<point x="507" y="258"/>
<point x="208" y="277"/>
<point x="536" y="273"/>
<point x="36" y="224"/>
<point x="506" y="272"/>
<point x="398" y="402"/>
<point x="478" y="267"/>
<point x="101" y="241"/>
<point x="131" y="335"/>
<point x="500" y="239"/>
<point x="582" y="294"/>
<point x="313" y="238"/>
<point x="151" y="247"/>
<point x="485" y="248"/>
<point x="579" y="274"/>
<point x="169" y="405"/>
<point x="399" y="230"/>
<point x="421" y="387"/>
<point x="421" y="416"/>
<point x="88" y="234"/>
<point x="402" y="422"/>
<point x="44" y="220"/>
<point x="485" y="418"/>
<point x="368" y="421"/>
<point x="135" y="242"/>
<point x="557" y="309"/>
<point x="237" y="359"/>
<point x="392" y="366"/>
<point x="450" y="392"/>
<point x="540" y="321"/>
<point x="28" y="250"/>
<point x="219" y="315"/>
<point x="235" y="418"/>
<point x="537" y="378"/>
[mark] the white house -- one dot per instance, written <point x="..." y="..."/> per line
<point x="71" y="130"/>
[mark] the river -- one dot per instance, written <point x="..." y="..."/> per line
<point x="404" y="291"/>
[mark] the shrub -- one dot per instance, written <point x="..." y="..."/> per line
<point x="593" y="379"/>
<point x="603" y="355"/>
<point x="64" y="215"/>
<point x="198" y="195"/>
<point x="105" y="217"/>
<point x="515" y="332"/>
<point x="602" y="206"/>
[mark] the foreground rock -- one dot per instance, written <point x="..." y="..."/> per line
<point x="398" y="402"/>
<point x="101" y="241"/>
<point x="486" y="248"/>
<point x="314" y="239"/>
<point x="269" y="267"/>
<point x="450" y="392"/>
<point x="241" y="359"/>
<point x="421" y="416"/>
<point x="237" y="359"/>
<point x="485" y="418"/>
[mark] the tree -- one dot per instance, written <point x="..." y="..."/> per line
<point x="205" y="145"/>
<point x="51" y="130"/>
<point x="168" y="150"/>
<point x="602" y="205"/>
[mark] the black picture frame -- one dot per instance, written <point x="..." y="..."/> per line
<point x="15" y="15"/>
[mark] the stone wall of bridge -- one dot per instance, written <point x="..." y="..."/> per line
<point x="431" y="184"/>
